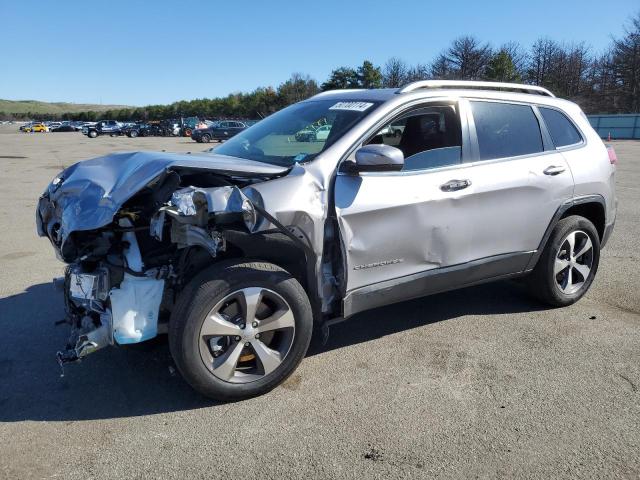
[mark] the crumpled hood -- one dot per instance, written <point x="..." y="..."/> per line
<point x="91" y="192"/>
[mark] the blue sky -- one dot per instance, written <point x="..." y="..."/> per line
<point x="139" y="52"/>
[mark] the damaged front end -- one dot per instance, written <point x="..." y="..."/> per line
<point x="133" y="229"/>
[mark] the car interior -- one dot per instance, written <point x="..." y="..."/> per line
<point x="429" y="137"/>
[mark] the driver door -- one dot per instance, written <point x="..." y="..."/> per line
<point x="396" y="225"/>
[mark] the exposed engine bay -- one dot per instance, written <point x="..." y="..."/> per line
<point x="135" y="229"/>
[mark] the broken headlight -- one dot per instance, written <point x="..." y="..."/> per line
<point x="88" y="285"/>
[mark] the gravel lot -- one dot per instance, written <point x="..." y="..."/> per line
<point x="481" y="382"/>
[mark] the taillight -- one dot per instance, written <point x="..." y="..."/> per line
<point x="613" y="158"/>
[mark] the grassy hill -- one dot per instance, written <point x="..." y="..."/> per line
<point x="37" y="107"/>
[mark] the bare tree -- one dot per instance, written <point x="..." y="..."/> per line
<point x="540" y="62"/>
<point x="626" y="66"/>
<point x="468" y="58"/>
<point x="441" y="68"/>
<point x="394" y="73"/>
<point x="298" y="87"/>
<point x="418" y="72"/>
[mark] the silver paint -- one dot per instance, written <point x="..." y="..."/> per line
<point x="382" y="215"/>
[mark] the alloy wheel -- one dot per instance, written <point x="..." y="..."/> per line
<point x="573" y="262"/>
<point x="247" y="335"/>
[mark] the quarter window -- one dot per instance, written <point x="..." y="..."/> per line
<point x="562" y="131"/>
<point x="506" y="130"/>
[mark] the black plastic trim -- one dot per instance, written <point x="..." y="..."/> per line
<point x="435" y="281"/>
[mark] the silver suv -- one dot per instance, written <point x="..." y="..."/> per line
<point x="240" y="253"/>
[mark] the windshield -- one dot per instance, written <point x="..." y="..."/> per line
<point x="297" y="133"/>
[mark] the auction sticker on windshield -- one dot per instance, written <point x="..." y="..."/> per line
<point x="354" y="106"/>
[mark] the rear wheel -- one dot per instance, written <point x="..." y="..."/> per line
<point x="133" y="134"/>
<point x="568" y="264"/>
<point x="240" y="329"/>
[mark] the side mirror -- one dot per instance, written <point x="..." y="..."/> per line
<point x="379" y="158"/>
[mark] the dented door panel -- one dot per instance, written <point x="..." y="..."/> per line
<point x="394" y="225"/>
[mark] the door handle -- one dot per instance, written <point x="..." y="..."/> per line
<point x="553" y="170"/>
<point x="454" y="185"/>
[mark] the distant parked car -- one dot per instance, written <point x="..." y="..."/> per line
<point x="25" y="126"/>
<point x="37" y="127"/>
<point x="104" y="127"/>
<point x="322" y="133"/>
<point x="63" y="128"/>
<point x="144" y="130"/>
<point x="307" y="134"/>
<point x="218" y="131"/>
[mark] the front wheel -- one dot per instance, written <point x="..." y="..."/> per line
<point x="568" y="263"/>
<point x="92" y="134"/>
<point x="240" y="329"/>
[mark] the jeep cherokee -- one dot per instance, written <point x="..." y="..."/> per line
<point x="241" y="252"/>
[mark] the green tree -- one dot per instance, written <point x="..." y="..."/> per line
<point x="369" y="76"/>
<point x="341" y="78"/>
<point x="501" y="68"/>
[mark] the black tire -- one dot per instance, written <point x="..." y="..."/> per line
<point x="542" y="282"/>
<point x="201" y="295"/>
<point x="205" y="138"/>
<point x="92" y="134"/>
<point x="133" y="134"/>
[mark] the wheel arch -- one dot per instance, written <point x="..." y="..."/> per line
<point x="271" y="247"/>
<point x="593" y="211"/>
<point x="591" y="207"/>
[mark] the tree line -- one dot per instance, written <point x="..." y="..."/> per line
<point x="607" y="82"/>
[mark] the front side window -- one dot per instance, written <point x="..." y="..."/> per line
<point x="429" y="137"/>
<point x="562" y="131"/>
<point x="506" y="130"/>
<point x="292" y="135"/>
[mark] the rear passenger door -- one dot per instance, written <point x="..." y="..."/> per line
<point x="517" y="182"/>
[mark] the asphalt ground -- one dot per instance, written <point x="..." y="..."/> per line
<point x="481" y="382"/>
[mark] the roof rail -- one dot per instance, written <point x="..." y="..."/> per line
<point x="465" y="84"/>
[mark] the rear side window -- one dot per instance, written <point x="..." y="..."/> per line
<point x="506" y="130"/>
<point x="562" y="131"/>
